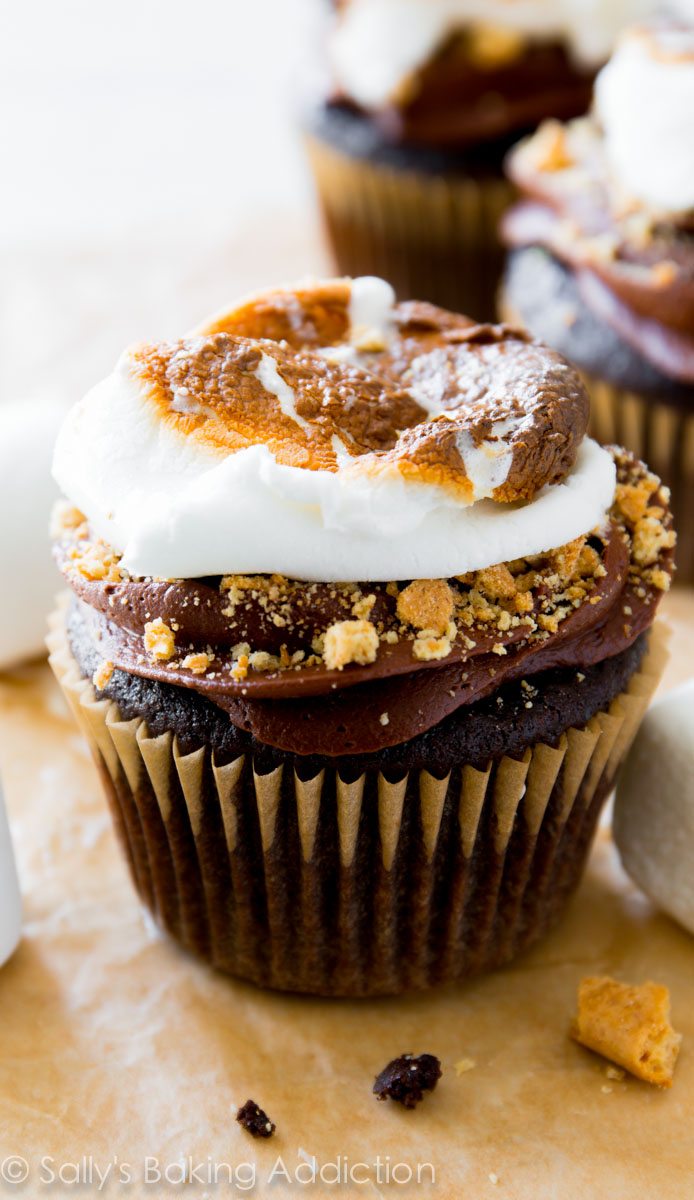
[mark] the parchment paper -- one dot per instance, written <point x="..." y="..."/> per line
<point x="116" y="1049"/>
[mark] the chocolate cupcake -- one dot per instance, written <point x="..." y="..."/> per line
<point x="359" y="632"/>
<point x="602" y="254"/>
<point x="428" y="96"/>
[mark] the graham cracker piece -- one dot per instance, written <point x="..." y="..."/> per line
<point x="630" y="1025"/>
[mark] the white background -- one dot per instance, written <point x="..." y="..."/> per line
<point x="151" y="167"/>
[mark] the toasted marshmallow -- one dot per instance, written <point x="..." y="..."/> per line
<point x="342" y="447"/>
<point x="644" y="98"/>
<point x="379" y="44"/>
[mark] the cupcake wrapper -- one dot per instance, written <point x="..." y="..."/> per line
<point x="434" y="237"/>
<point x="662" y="436"/>
<point x="354" y="887"/>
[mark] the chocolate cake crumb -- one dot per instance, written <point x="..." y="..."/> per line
<point x="255" y="1120"/>
<point x="406" y="1078"/>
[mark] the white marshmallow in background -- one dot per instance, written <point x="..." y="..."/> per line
<point x="654" y="808"/>
<point x="644" y="98"/>
<point x="28" y="577"/>
<point x="10" y="903"/>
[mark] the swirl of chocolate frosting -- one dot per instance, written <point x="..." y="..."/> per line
<point x="634" y="268"/>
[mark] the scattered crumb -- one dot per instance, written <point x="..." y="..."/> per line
<point x="384" y="719"/>
<point x="102" y="675"/>
<point x="630" y="1025"/>
<point x="406" y="1078"/>
<point x="350" y="641"/>
<point x="159" y="639"/>
<point x="255" y="1120"/>
<point x="197" y="663"/>
<point x="426" y="604"/>
<point x="463" y="1065"/>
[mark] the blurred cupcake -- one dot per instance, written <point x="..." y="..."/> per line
<point x="602" y="254"/>
<point x="359" y="633"/>
<point x="428" y="96"/>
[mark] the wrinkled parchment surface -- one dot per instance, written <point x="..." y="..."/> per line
<point x="114" y="1043"/>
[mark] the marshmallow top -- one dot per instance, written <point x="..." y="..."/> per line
<point x="645" y="101"/>
<point x="378" y="44"/>
<point x="230" y="454"/>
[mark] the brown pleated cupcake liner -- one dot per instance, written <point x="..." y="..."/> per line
<point x="660" y="434"/>
<point x="354" y="887"/>
<point x="434" y="237"/>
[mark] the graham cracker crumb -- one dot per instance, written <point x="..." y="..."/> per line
<point x="239" y="671"/>
<point x="362" y="607"/>
<point x="426" y="604"/>
<point x="102" y="676"/>
<point x="630" y="1025"/>
<point x="550" y="149"/>
<point x="159" y="639"/>
<point x="463" y="1065"/>
<point x="350" y="642"/>
<point x="197" y="663"/>
<point x="427" y="647"/>
<point x="65" y="518"/>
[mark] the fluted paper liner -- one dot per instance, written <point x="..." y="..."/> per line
<point x="433" y="236"/>
<point x="660" y="434"/>
<point x="354" y="887"/>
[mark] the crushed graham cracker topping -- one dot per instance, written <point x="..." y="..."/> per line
<point x="246" y="629"/>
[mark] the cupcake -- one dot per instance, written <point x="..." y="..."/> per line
<point x="601" y="263"/>
<point x="359" y="630"/>
<point x="427" y="97"/>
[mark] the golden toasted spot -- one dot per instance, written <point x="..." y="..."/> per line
<point x="629" y="1025"/>
<point x="350" y="642"/>
<point x="102" y="675"/>
<point x="159" y="639"/>
<point x="426" y="604"/>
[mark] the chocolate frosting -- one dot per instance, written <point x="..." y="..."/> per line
<point x="634" y="272"/>
<point x="312" y="709"/>
<point x="456" y="101"/>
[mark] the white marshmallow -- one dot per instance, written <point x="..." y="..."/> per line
<point x="654" y="808"/>
<point x="10" y="903"/>
<point x="644" y="98"/>
<point x="179" y="509"/>
<point x="378" y="44"/>
<point x="28" y="577"/>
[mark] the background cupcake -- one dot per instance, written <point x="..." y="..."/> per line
<point x="354" y="787"/>
<point x="602" y="257"/>
<point x="428" y="96"/>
